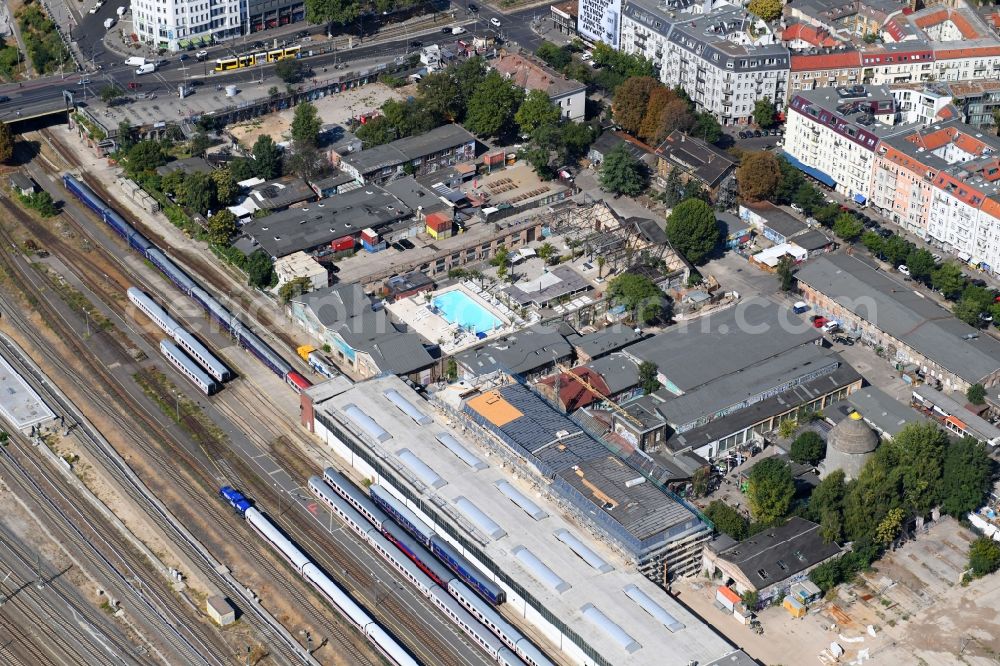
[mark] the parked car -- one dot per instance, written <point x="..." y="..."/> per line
<point x="936" y="258"/>
<point x="757" y="134"/>
<point x="182" y="57"/>
<point x="844" y="340"/>
<point x="201" y="55"/>
<point x="397" y="247"/>
<point x="884" y="233"/>
<point x="797" y="208"/>
<point x="446" y="30"/>
<point x="902" y="268"/>
<point x="976" y="282"/>
<point x="831" y="327"/>
<point x="473" y="7"/>
<point x="800" y="307"/>
<point x="819" y="321"/>
<point x="134" y="85"/>
<point x="406" y="243"/>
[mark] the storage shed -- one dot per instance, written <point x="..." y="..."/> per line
<point x="219" y="609"/>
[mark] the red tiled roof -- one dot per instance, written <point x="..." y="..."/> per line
<point x="808" y="33"/>
<point x="842" y="60"/>
<point x="974" y="52"/>
<point x="942" y="15"/>
<point x="895" y="30"/>
<point x="572" y="394"/>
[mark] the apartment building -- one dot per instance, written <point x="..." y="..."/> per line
<point x="823" y="69"/>
<point x="176" y="24"/>
<point x="834" y="134"/>
<point x="725" y="59"/>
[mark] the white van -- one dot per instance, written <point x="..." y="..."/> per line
<point x="135" y="61"/>
<point x="148" y="68"/>
<point x="458" y="30"/>
<point x="108" y="23"/>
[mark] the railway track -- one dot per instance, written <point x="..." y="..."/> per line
<point x="76" y="528"/>
<point x="98" y="375"/>
<point x="61" y="599"/>
<point x="388" y="610"/>
<point x="204" y="484"/>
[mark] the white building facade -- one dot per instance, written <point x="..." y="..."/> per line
<point x="176" y="24"/>
<point x="725" y="60"/>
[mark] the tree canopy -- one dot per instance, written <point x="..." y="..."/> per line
<point x="765" y="9"/>
<point x="145" y="156"/>
<point x="758" y="175"/>
<point x="332" y="11"/>
<point x="266" y="158"/>
<point x="693" y="230"/>
<point x="727" y="520"/>
<point x="536" y="110"/>
<point x="222" y="227"/>
<point x="622" y="174"/>
<point x="638" y="294"/>
<point x="848" y="227"/>
<point x="770" y="489"/>
<point x="647" y="377"/>
<point x="306" y="124"/>
<point x="764" y="113"/>
<point x="808" y="447"/>
<point x="260" y="270"/>
<point x="6" y="142"/>
<point x="492" y="106"/>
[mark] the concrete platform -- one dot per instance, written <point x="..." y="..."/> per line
<point x="19" y="404"/>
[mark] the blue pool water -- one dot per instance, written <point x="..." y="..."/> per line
<point x="457" y="307"/>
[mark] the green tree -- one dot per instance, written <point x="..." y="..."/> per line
<point x="921" y="263"/>
<point x="727" y="520"/>
<point x="873" y="243"/>
<point x="968" y="311"/>
<point x="789" y="182"/>
<point x="332" y="11"/>
<point x="984" y="556"/>
<point x="919" y="451"/>
<point x="225" y="186"/>
<point x="536" y="109"/>
<point x="847" y="227"/>
<point x="501" y="257"/>
<point x="890" y="527"/>
<point x="556" y="57"/>
<point x="622" y="174"/>
<point x="948" y="279"/>
<point x="897" y="249"/>
<point x="441" y="96"/>
<point x="826" y="505"/>
<point x="467" y="76"/>
<point x="976" y="394"/>
<point x="260" y="270"/>
<point x="198" y="193"/>
<point x="266" y="158"/>
<point x="199" y="143"/>
<point x="600" y="266"/>
<point x="126" y="136"/>
<point x="647" y="377"/>
<point x="111" y="94"/>
<point x="221" y="227"/>
<point x="306" y="124"/>
<point x="785" y="271"/>
<point x="6" y="142"/>
<point x="145" y="156"/>
<point x="808" y="447"/>
<point x="807" y="198"/>
<point x="825" y="215"/>
<point x="173" y="182"/>
<point x="758" y="175"/>
<point x="673" y="190"/>
<point x="693" y="230"/>
<point x="293" y="288"/>
<point x="241" y="169"/>
<point x="876" y="490"/>
<point x="764" y="113"/>
<point x="706" y="128"/>
<point x="492" y="106"/>
<point x="289" y="70"/>
<point x="765" y="9"/>
<point x="546" y="252"/>
<point x="966" y="477"/>
<point x="576" y="139"/>
<point x="770" y="489"/>
<point x="638" y="294"/>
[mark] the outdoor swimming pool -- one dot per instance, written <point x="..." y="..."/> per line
<point x="458" y="307"/>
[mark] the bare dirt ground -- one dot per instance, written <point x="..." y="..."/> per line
<point x="912" y="599"/>
<point x="337" y="108"/>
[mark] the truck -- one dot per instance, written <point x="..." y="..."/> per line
<point x="108" y="22"/>
<point x="148" y="68"/>
<point x="120" y="11"/>
<point x="135" y="61"/>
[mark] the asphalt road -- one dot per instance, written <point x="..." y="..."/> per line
<point x="515" y="28"/>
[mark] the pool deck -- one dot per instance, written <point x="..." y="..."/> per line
<point x="19" y="404"/>
<point x="415" y="312"/>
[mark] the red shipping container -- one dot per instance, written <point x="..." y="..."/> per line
<point x="343" y="244"/>
<point x="369" y="236"/>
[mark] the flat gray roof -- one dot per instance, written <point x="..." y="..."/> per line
<point x="699" y="351"/>
<point x="409" y="148"/>
<point x="321" y="222"/>
<point x="518" y="353"/>
<point x="901" y="312"/>
<point x="694" y="642"/>
<point x="19" y="404"/>
<point x="882" y="411"/>
<point x="549" y="286"/>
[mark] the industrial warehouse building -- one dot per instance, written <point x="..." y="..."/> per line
<point x="885" y="312"/>
<point x="727" y="379"/>
<point x="554" y="573"/>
